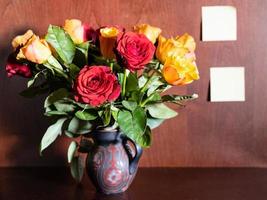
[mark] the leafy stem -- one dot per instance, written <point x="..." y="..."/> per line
<point x="147" y="82"/>
<point x="124" y="83"/>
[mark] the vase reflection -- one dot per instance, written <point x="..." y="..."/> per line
<point x="121" y="196"/>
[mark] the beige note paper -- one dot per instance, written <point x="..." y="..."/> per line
<point x="227" y="84"/>
<point x="219" y="23"/>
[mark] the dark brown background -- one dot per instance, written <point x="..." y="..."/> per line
<point x="205" y="134"/>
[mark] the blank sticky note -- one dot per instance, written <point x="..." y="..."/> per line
<point x="227" y="84"/>
<point x="219" y="23"/>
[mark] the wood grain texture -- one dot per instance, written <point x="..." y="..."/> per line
<point x="205" y="133"/>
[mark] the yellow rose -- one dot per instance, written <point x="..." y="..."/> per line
<point x="188" y="42"/>
<point x="151" y="32"/>
<point x="76" y="30"/>
<point x="180" y="71"/>
<point x="35" y="50"/>
<point x="183" y="46"/>
<point x="21" y="40"/>
<point x="107" y="40"/>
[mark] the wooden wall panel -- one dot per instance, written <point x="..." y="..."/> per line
<point x="205" y="133"/>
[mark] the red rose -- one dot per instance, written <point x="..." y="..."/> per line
<point x="134" y="50"/>
<point x="95" y="85"/>
<point x="15" y="68"/>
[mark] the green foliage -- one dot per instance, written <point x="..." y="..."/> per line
<point x="34" y="91"/>
<point x="55" y="96"/>
<point x="130" y="105"/>
<point x="52" y="133"/>
<point x="71" y="150"/>
<point x="61" y="42"/>
<point x="131" y="82"/>
<point x="83" y="47"/>
<point x="77" y="168"/>
<point x="86" y="114"/>
<point x="154" y="122"/>
<point x="161" y="111"/>
<point x="63" y="106"/>
<point x="78" y="127"/>
<point x="178" y="98"/>
<point x="133" y="124"/>
<point x="33" y="79"/>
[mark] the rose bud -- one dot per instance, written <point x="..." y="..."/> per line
<point x="35" y="50"/>
<point x="96" y="85"/>
<point x="79" y="32"/>
<point x="134" y="50"/>
<point x="180" y="46"/>
<point x="151" y="32"/>
<point x="107" y="40"/>
<point x="15" y="68"/>
<point x="179" y="71"/>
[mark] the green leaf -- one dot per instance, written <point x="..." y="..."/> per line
<point x="114" y="112"/>
<point x="120" y="78"/>
<point x="106" y="116"/>
<point x="51" y="134"/>
<point x="81" y="105"/>
<point x="146" y="139"/>
<point x="136" y="96"/>
<point x="61" y="42"/>
<point x="139" y="119"/>
<point x="35" y="90"/>
<point x="83" y="47"/>
<point x="161" y="111"/>
<point x="62" y="106"/>
<point x="54" y="62"/>
<point x="55" y="96"/>
<point x="130" y="105"/>
<point x="153" y="86"/>
<point x="77" y="168"/>
<point x="153" y="98"/>
<point x="55" y="66"/>
<point x="154" y="123"/>
<point x="131" y="83"/>
<point x="132" y="124"/>
<point x="86" y="115"/>
<point x="74" y="70"/>
<point x="142" y="81"/>
<point x="71" y="150"/>
<point x="54" y="112"/>
<point x="80" y="127"/>
<point x="33" y="79"/>
<point x="177" y="98"/>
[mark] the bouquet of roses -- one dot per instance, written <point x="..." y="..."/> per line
<point x="107" y="77"/>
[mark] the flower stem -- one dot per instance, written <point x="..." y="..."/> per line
<point x="147" y="82"/>
<point x="124" y="83"/>
<point x="111" y="66"/>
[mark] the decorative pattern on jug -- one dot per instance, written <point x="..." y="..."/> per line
<point x="108" y="166"/>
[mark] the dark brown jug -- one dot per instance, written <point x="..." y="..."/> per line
<point x="112" y="163"/>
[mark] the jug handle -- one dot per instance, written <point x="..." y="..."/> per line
<point x="133" y="160"/>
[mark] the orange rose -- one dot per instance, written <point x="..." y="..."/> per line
<point x="107" y="40"/>
<point x="177" y="71"/>
<point x="21" y="40"/>
<point x="35" y="50"/>
<point x="151" y="32"/>
<point x="183" y="46"/>
<point x="78" y="32"/>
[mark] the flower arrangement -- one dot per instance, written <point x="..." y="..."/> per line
<point x="107" y="77"/>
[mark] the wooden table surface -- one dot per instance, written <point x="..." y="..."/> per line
<point x="150" y="183"/>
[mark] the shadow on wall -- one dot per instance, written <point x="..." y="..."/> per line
<point x="22" y="123"/>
